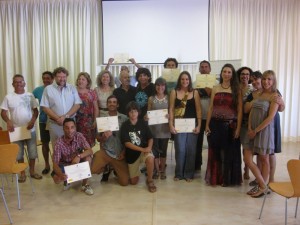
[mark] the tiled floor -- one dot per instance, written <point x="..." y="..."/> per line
<point x="174" y="203"/>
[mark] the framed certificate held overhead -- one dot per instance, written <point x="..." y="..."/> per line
<point x="170" y="75"/>
<point x="185" y="125"/>
<point x="107" y="123"/>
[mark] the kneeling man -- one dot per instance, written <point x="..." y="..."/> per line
<point x="111" y="149"/>
<point x="71" y="148"/>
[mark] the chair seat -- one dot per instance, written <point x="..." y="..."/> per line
<point x="284" y="189"/>
<point x="17" y="168"/>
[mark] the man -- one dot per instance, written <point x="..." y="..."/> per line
<point x="47" y="78"/>
<point x="111" y="149"/>
<point x="204" y="68"/>
<point x="71" y="148"/>
<point x="60" y="100"/>
<point x="138" y="140"/>
<point x="23" y="111"/>
<point x="133" y="81"/>
<point x="125" y="93"/>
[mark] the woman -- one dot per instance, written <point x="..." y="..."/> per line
<point x="145" y="89"/>
<point x="261" y="130"/>
<point x="88" y="111"/>
<point x="160" y="132"/>
<point x="223" y="129"/>
<point x="185" y="103"/>
<point x="244" y="74"/>
<point x="105" y="88"/>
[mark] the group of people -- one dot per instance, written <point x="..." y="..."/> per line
<point x="232" y="113"/>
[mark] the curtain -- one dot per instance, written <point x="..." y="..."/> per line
<point x="265" y="34"/>
<point x="39" y="35"/>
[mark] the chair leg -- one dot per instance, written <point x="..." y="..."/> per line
<point x="31" y="184"/>
<point x="296" y="208"/>
<point x="18" y="191"/>
<point x="6" y="208"/>
<point x="263" y="204"/>
<point x="286" y="200"/>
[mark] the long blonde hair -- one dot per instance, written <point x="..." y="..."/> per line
<point x="272" y="74"/>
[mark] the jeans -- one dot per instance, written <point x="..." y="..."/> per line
<point x="185" y="153"/>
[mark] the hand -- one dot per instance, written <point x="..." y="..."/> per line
<point x="251" y="134"/>
<point x="76" y="160"/>
<point x="278" y="99"/>
<point x="30" y="125"/>
<point x="10" y="126"/>
<point x="196" y="130"/>
<point x="208" y="91"/>
<point x="121" y="156"/>
<point x="236" y="134"/>
<point x="172" y="129"/>
<point x="63" y="177"/>
<point x="207" y="131"/>
<point x="146" y="118"/>
<point x="110" y="60"/>
<point x="147" y="150"/>
<point x="132" y="60"/>
<point x="60" y="120"/>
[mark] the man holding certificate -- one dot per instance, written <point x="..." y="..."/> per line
<point x="71" y="148"/>
<point x="111" y="149"/>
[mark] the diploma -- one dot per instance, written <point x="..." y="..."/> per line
<point x="205" y="80"/>
<point x="170" y="75"/>
<point x="20" y="133"/>
<point x="78" y="171"/>
<point x="185" y="125"/>
<point x="157" y="116"/>
<point x="121" y="58"/>
<point x="107" y="123"/>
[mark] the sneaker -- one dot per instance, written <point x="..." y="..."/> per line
<point x="87" y="189"/>
<point x="66" y="186"/>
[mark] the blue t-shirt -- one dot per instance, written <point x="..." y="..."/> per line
<point x="38" y="93"/>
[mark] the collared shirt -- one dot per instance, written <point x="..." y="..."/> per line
<point x="60" y="100"/>
<point x="124" y="97"/>
<point x="113" y="145"/>
<point x="64" y="152"/>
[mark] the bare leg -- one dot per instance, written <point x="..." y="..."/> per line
<point x="46" y="151"/>
<point x="246" y="169"/>
<point x="22" y="172"/>
<point x="272" y="159"/>
<point x="150" y="167"/>
<point x="265" y="169"/>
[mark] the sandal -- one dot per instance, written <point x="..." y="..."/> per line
<point x="163" y="175"/>
<point x="155" y="176"/>
<point x="253" y="190"/>
<point x="189" y="180"/>
<point x="22" y="179"/>
<point x="36" y="176"/>
<point x="151" y="186"/>
<point x="45" y="171"/>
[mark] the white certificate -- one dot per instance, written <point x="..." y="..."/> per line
<point x="121" y="57"/>
<point x="157" y="116"/>
<point x="78" y="171"/>
<point x="20" y="133"/>
<point x="205" y="80"/>
<point x="107" y="123"/>
<point x="184" y="125"/>
<point x="170" y="75"/>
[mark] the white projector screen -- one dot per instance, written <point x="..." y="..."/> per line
<point x="153" y="30"/>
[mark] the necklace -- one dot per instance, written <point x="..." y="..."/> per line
<point x="225" y="87"/>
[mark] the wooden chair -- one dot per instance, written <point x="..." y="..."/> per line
<point x="8" y="164"/>
<point x="289" y="189"/>
<point x="4" y="137"/>
<point x="5" y="205"/>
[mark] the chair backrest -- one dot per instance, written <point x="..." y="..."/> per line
<point x="4" y="137"/>
<point x="8" y="157"/>
<point x="293" y="166"/>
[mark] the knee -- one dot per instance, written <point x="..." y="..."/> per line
<point x="134" y="180"/>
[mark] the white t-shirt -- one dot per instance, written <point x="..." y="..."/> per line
<point x="20" y="108"/>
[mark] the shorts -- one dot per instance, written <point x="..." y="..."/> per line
<point x="45" y="135"/>
<point x="31" y="147"/>
<point x="134" y="168"/>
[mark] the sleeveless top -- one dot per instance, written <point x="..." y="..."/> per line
<point x="190" y="109"/>
<point x="223" y="107"/>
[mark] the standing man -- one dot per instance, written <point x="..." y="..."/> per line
<point x="60" y="101"/>
<point x="47" y="78"/>
<point x="23" y="111"/>
<point x="111" y="149"/>
<point x="125" y="93"/>
<point x="71" y="148"/>
<point x="204" y="93"/>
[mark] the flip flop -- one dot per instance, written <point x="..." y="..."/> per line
<point x="36" y="176"/>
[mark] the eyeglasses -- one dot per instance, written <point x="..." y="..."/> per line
<point x="245" y="74"/>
